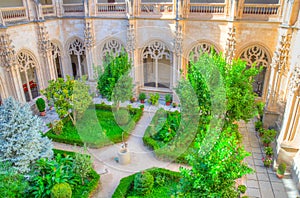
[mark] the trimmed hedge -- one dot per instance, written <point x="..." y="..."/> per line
<point x="126" y="184"/>
<point x="71" y="136"/>
<point x="82" y="191"/>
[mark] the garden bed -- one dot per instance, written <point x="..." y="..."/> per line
<point x="97" y="128"/>
<point x="165" y="139"/>
<point x="165" y="182"/>
<point x="91" y="184"/>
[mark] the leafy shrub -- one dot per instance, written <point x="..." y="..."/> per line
<point x="143" y="183"/>
<point x="41" y="105"/>
<point x="242" y="189"/>
<point x="258" y="125"/>
<point x="21" y="142"/>
<point x="160" y="180"/>
<point x="82" y="165"/>
<point x="62" y="190"/>
<point x="269" y="151"/>
<point x="281" y="168"/>
<point x="12" y="184"/>
<point x="142" y="96"/>
<point x="122" y="117"/>
<point x="58" y="126"/>
<point x="154" y="98"/>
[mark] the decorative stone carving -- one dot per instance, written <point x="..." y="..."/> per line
<point x="7" y="51"/>
<point x="178" y="39"/>
<point x="230" y="45"/>
<point x="76" y="47"/>
<point x="256" y="55"/>
<point x="130" y="46"/>
<point x="283" y="53"/>
<point x="89" y="39"/>
<point x="295" y="79"/>
<point x="25" y="61"/>
<point x="200" y="48"/>
<point x="113" y="47"/>
<point x="156" y="50"/>
<point x="56" y="52"/>
<point x="44" y="42"/>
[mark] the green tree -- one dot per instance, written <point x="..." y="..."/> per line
<point x="70" y="97"/>
<point x="114" y="69"/>
<point x="122" y="90"/>
<point x="213" y="174"/>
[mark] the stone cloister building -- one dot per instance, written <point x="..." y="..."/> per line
<point x="47" y="39"/>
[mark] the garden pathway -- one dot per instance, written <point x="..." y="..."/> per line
<point x="263" y="183"/>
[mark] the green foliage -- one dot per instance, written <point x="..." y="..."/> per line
<point x="12" y="183"/>
<point x="142" y="106"/>
<point x="268" y="136"/>
<point x="126" y="189"/>
<point x="213" y="174"/>
<point x="122" y="117"/>
<point x="21" y="142"/>
<point x="269" y="151"/>
<point x="143" y="183"/>
<point x="168" y="98"/>
<point x="242" y="189"/>
<point x="281" y="168"/>
<point x="258" y="125"/>
<point x="142" y="96"/>
<point x="123" y="89"/>
<point x="154" y="97"/>
<point x="41" y="105"/>
<point x="50" y="172"/>
<point x="61" y="190"/>
<point x="114" y="69"/>
<point x="58" y="126"/>
<point x="69" y="95"/>
<point x="87" y="129"/>
<point x="82" y="165"/>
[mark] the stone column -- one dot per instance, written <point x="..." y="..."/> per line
<point x="132" y="53"/>
<point x="89" y="42"/>
<point x="177" y="56"/>
<point x="230" y="44"/>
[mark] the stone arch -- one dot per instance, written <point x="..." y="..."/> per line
<point x="57" y="53"/>
<point x="201" y="46"/>
<point x="156" y="57"/>
<point x="76" y="50"/>
<point x="28" y="68"/>
<point x="259" y="55"/>
<point x="112" y="46"/>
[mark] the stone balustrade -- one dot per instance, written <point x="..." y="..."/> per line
<point x="13" y="14"/>
<point x="139" y="8"/>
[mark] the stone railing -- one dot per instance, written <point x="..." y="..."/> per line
<point x="111" y="9"/>
<point x="213" y="8"/>
<point x="13" y="14"/>
<point x="48" y="10"/>
<point x="156" y="9"/>
<point x="261" y="9"/>
<point x="73" y="9"/>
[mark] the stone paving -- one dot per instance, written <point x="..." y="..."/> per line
<point x="263" y="183"/>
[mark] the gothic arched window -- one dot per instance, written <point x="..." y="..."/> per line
<point x="78" y="60"/>
<point x="258" y="56"/>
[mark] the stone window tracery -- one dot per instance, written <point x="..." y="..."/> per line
<point x="258" y="56"/>
<point x="56" y="56"/>
<point x="157" y="65"/>
<point x="27" y="68"/>
<point x="111" y="47"/>
<point x="78" y="60"/>
<point x="203" y="47"/>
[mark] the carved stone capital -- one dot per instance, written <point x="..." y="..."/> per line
<point x="89" y="39"/>
<point x="7" y="51"/>
<point x="230" y="45"/>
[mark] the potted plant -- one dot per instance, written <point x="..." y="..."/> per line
<point x="281" y="170"/>
<point x="258" y="125"/>
<point x="41" y="105"/>
<point x="269" y="151"/>
<point x="168" y="99"/>
<point x="142" y="97"/>
<point x="154" y="99"/>
<point x="142" y="107"/>
<point x="242" y="189"/>
<point x="267" y="161"/>
<point x="266" y="141"/>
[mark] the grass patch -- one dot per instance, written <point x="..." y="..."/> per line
<point x="160" y="189"/>
<point x="166" y="137"/>
<point x="97" y="128"/>
<point x="91" y="184"/>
